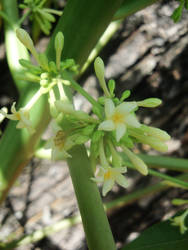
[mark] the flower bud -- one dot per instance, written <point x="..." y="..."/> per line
<point x="156" y="132"/>
<point x="136" y="161"/>
<point x="99" y="68"/>
<point x="25" y="38"/>
<point x="59" y="43"/>
<point x="149" y="103"/>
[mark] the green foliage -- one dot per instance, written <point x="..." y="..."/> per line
<point x="161" y="236"/>
<point x="177" y="14"/>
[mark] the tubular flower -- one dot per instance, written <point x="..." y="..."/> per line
<point x="108" y="176"/>
<point x="119" y="118"/>
<point x="22" y="116"/>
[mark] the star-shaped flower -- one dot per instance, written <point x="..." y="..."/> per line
<point x="22" y="116"/>
<point x="108" y="176"/>
<point x="59" y="144"/>
<point x="118" y="118"/>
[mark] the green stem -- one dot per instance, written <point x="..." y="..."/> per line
<point x="5" y="17"/>
<point x="21" y="20"/>
<point x="171" y="163"/>
<point x="163" y="176"/>
<point x="80" y="90"/>
<point x="94" y="219"/>
<point x="130" y="198"/>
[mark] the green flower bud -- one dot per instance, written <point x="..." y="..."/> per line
<point x="43" y="60"/>
<point x="79" y="138"/>
<point x="52" y="67"/>
<point x="32" y="68"/>
<point x="59" y="43"/>
<point x="125" y="95"/>
<point x="111" y="86"/>
<point x="88" y="130"/>
<point x="150" y="103"/>
<point x="44" y="75"/>
<point x="157" y="144"/>
<point x="156" y="132"/>
<point x="99" y="68"/>
<point x="24" y="38"/>
<point x="136" y="161"/>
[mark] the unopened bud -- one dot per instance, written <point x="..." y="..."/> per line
<point x="136" y="161"/>
<point x="99" y="68"/>
<point x="150" y="103"/>
<point x="25" y="38"/>
<point x="59" y="43"/>
<point x="156" y="132"/>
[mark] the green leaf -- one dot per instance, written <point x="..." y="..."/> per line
<point x="161" y="236"/>
<point x="176" y="16"/>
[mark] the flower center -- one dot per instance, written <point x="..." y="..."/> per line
<point x="18" y="116"/>
<point x="59" y="139"/>
<point x="118" y="118"/>
<point x="108" y="175"/>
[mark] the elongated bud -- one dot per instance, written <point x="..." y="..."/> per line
<point x="111" y="86"/>
<point x="136" y="161"/>
<point x="125" y="95"/>
<point x="25" y="38"/>
<point x="99" y="71"/>
<point x="99" y="68"/>
<point x="150" y="103"/>
<point x="59" y="43"/>
<point x="156" y="132"/>
<point x="157" y="144"/>
<point x="43" y="60"/>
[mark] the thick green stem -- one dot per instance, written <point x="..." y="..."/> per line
<point x="94" y="219"/>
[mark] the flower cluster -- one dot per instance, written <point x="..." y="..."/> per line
<point x="113" y="127"/>
<point x="47" y="73"/>
<point x="120" y="128"/>
<point x="41" y="15"/>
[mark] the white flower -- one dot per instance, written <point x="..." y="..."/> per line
<point x="58" y="144"/>
<point x="118" y="118"/>
<point x="108" y="176"/>
<point x="22" y="116"/>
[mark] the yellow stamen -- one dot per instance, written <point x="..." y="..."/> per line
<point x="108" y="175"/>
<point x="59" y="139"/>
<point x="118" y="118"/>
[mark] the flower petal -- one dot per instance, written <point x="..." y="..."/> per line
<point x="109" y="108"/>
<point x="120" y="131"/>
<point x="131" y="120"/>
<point x="107" y="125"/>
<point x="126" y="107"/>
<point x="107" y="186"/>
<point x="122" y="181"/>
